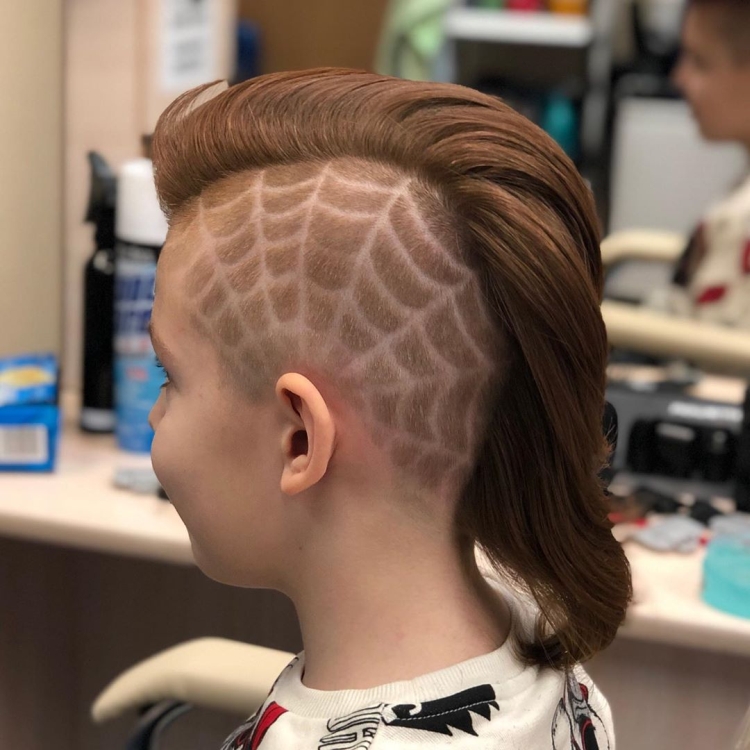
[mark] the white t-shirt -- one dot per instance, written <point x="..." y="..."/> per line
<point x="491" y="701"/>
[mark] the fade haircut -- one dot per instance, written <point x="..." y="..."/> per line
<point x="435" y="256"/>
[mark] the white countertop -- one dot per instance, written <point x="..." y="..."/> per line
<point x="667" y="606"/>
<point x="78" y="506"/>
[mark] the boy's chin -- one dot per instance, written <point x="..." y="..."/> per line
<point x="220" y="572"/>
<point x="208" y="565"/>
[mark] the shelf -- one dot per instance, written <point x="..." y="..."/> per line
<point x="514" y="27"/>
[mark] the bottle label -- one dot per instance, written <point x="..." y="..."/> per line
<point x="137" y="383"/>
<point x="137" y="377"/>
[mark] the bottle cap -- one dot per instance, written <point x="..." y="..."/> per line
<point x="102" y="200"/>
<point x="139" y="218"/>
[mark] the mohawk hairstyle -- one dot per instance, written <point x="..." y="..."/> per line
<point x="435" y="257"/>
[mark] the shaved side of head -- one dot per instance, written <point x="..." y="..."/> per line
<point x="351" y="270"/>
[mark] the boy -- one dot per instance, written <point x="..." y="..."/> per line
<point x="712" y="281"/>
<point x="378" y="307"/>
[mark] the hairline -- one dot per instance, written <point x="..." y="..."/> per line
<point x="736" y="41"/>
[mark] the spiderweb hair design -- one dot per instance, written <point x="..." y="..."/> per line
<point x="338" y="267"/>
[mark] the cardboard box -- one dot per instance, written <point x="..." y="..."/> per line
<point x="29" y="412"/>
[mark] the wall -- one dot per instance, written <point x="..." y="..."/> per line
<point x="114" y="93"/>
<point x="31" y="183"/>
<point x="299" y="34"/>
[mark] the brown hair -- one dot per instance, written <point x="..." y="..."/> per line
<point x="732" y="21"/>
<point x="520" y="216"/>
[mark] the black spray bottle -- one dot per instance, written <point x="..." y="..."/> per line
<point x="742" y="468"/>
<point x="97" y="409"/>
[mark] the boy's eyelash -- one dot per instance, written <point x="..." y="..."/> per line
<point x="164" y="370"/>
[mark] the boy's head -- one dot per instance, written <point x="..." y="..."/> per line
<point x="341" y="276"/>
<point x="378" y="305"/>
<point x="714" y="67"/>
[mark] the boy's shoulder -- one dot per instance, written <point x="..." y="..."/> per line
<point x="531" y="709"/>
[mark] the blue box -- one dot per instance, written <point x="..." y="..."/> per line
<point x="29" y="412"/>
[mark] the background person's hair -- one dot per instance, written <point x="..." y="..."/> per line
<point x="732" y="23"/>
<point x="534" y="502"/>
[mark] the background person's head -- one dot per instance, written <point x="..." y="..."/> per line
<point x="385" y="297"/>
<point x="713" y="71"/>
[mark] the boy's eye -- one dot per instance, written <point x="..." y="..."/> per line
<point x="166" y="374"/>
<point x="697" y="61"/>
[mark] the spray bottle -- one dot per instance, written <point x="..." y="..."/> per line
<point x="97" y="410"/>
<point x="140" y="230"/>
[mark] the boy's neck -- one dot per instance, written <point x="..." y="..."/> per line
<point x="383" y="617"/>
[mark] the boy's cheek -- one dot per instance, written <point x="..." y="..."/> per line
<point x="175" y="465"/>
<point x="157" y="411"/>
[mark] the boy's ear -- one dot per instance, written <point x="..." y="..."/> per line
<point x="309" y="433"/>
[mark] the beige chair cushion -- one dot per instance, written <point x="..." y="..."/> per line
<point x="642" y="244"/>
<point x="714" y="348"/>
<point x="209" y="673"/>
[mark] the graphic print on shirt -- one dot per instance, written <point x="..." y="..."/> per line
<point x="445" y="715"/>
<point x="355" y="731"/>
<point x="251" y="734"/>
<point x="241" y="736"/>
<point x="576" y="725"/>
